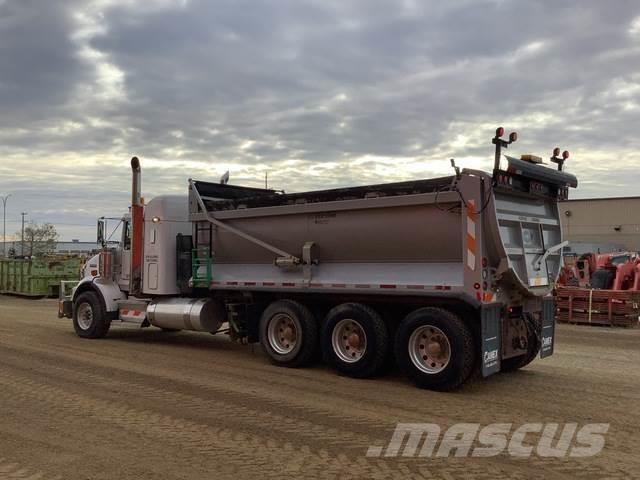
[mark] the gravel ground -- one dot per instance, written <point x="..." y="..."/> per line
<point x="150" y="404"/>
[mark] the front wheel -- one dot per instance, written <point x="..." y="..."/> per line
<point x="435" y="348"/>
<point x="89" y="318"/>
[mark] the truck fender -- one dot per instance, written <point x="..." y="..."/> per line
<point x="108" y="292"/>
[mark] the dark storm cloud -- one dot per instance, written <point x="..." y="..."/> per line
<point x="318" y="92"/>
<point x="39" y="64"/>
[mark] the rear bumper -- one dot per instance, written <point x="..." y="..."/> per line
<point x="492" y="317"/>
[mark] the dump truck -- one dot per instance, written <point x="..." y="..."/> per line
<point x="446" y="276"/>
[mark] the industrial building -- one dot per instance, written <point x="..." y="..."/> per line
<point x="601" y="224"/>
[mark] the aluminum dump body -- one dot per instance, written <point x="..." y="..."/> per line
<point x="462" y="235"/>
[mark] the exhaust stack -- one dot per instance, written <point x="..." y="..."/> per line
<point x="137" y="229"/>
<point x="136" y="181"/>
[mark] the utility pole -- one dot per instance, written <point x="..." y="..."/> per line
<point x="22" y="239"/>
<point x="4" y="224"/>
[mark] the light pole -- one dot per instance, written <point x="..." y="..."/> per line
<point x="22" y="239"/>
<point x="4" y="224"/>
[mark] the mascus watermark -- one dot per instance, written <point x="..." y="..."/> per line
<point x="475" y="440"/>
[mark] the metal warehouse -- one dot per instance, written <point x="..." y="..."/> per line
<point x="607" y="224"/>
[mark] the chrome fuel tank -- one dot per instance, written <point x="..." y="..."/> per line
<point x="199" y="314"/>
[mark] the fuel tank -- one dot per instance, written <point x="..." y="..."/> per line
<point x="199" y="314"/>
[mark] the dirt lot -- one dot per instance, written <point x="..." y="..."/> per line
<point x="149" y="404"/>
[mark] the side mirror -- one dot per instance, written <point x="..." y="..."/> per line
<point x="100" y="234"/>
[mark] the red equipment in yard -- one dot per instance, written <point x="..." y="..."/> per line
<point x="602" y="289"/>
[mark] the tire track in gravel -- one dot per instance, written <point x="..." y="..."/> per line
<point x="294" y="429"/>
<point x="15" y="471"/>
<point x="318" y="436"/>
<point x="193" y="383"/>
<point x="248" y="451"/>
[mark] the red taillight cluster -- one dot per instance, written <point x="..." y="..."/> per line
<point x="556" y="157"/>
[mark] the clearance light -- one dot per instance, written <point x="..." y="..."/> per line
<point x="556" y="157"/>
<point x="155" y="219"/>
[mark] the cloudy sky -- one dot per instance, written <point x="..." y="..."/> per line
<point x="318" y="93"/>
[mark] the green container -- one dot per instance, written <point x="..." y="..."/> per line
<point x="38" y="277"/>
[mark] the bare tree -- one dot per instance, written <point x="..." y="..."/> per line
<point x="39" y="239"/>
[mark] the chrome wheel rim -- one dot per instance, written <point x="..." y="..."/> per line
<point x="85" y="316"/>
<point x="349" y="340"/>
<point x="429" y="349"/>
<point x="283" y="333"/>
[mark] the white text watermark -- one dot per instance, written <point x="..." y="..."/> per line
<point x="475" y="440"/>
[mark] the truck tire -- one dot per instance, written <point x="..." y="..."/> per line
<point x="355" y="340"/>
<point x="533" y="348"/>
<point x="435" y="348"/>
<point x="89" y="317"/>
<point x="289" y="333"/>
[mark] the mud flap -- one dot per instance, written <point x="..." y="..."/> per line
<point x="548" y="330"/>
<point x="491" y="338"/>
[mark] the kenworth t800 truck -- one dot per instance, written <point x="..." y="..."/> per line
<point x="448" y="275"/>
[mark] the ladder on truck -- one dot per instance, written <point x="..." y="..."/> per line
<point x="201" y="267"/>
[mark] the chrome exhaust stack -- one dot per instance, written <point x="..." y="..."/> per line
<point x="136" y="186"/>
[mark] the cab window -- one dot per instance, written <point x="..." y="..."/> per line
<point x="126" y="238"/>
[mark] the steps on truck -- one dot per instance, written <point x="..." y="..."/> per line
<point x="132" y="311"/>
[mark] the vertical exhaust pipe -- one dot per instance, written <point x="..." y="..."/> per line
<point x="137" y="230"/>
<point x="136" y="181"/>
